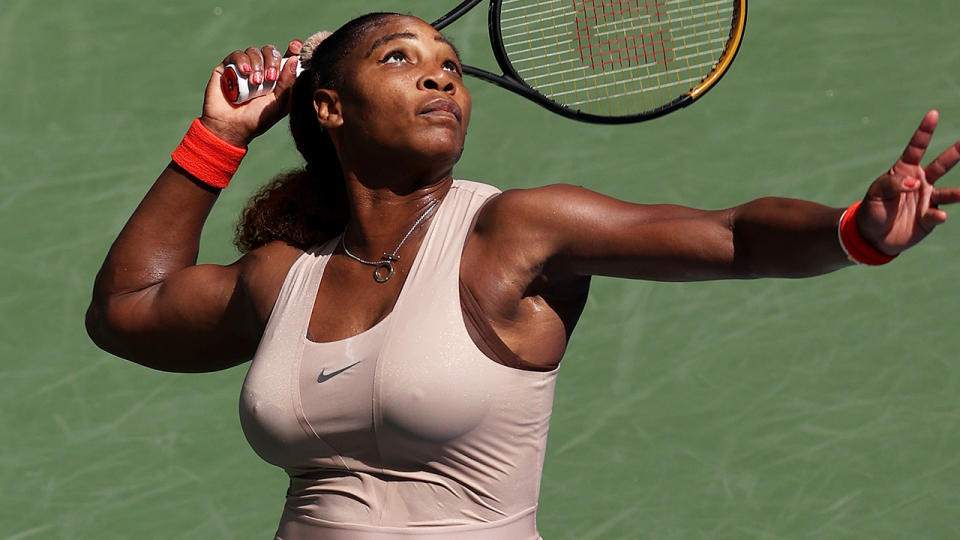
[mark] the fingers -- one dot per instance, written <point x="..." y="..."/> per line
<point x="943" y="163"/>
<point x="256" y="59"/>
<point x="945" y="196"/>
<point x="931" y="218"/>
<point x="293" y="49"/>
<point x="933" y="215"/>
<point x="920" y="140"/>
<point x="271" y="62"/>
<point x="257" y="64"/>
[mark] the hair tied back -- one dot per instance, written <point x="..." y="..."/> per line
<point x="310" y="45"/>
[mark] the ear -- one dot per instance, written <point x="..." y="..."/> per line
<point x="329" y="108"/>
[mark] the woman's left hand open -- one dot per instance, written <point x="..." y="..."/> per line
<point x="902" y="206"/>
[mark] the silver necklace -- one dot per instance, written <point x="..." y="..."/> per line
<point x="386" y="261"/>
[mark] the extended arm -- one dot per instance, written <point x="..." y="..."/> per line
<point x="578" y="232"/>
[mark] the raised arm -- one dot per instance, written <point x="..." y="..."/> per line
<point x="573" y="231"/>
<point x="152" y="304"/>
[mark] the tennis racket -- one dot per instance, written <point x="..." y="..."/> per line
<point x="610" y="61"/>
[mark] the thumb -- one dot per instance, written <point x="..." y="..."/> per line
<point x="288" y="76"/>
<point x="891" y="186"/>
<point x="932" y="218"/>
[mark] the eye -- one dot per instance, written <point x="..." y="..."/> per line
<point x="450" y="65"/>
<point x="394" y="57"/>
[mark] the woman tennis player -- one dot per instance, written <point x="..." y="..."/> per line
<point x="406" y="327"/>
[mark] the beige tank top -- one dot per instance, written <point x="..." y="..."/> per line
<point x="406" y="429"/>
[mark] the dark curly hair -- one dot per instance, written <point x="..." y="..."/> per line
<point x="307" y="206"/>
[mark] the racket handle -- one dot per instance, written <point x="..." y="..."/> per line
<point x="238" y="89"/>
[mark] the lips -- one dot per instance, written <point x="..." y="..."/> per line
<point x="442" y="107"/>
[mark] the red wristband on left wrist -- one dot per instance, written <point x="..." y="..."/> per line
<point x="854" y="245"/>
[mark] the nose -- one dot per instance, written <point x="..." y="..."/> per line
<point x="438" y="79"/>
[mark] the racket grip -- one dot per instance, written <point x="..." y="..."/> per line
<point x="238" y="89"/>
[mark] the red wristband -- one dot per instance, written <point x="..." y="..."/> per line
<point x="207" y="157"/>
<point x="857" y="249"/>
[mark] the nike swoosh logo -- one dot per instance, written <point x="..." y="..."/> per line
<point x="323" y="377"/>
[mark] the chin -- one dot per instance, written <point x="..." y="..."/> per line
<point x="441" y="149"/>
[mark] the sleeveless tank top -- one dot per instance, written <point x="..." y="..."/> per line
<point x="406" y="429"/>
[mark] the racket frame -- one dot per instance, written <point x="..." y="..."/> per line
<point x="512" y="81"/>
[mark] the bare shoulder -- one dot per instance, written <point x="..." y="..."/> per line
<point x="263" y="271"/>
<point x="530" y="202"/>
<point x="531" y="211"/>
<point x="522" y="229"/>
<point x="556" y="217"/>
<point x="271" y="254"/>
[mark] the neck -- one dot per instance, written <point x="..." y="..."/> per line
<point x="382" y="212"/>
<point x="387" y="190"/>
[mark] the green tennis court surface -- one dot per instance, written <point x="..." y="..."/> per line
<point x="822" y="408"/>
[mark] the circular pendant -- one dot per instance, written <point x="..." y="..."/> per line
<point x="377" y="274"/>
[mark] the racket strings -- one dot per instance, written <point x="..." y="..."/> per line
<point x="615" y="57"/>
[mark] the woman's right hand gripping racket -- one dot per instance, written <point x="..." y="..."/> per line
<point x="240" y="125"/>
<point x="610" y="61"/>
<point x="239" y="88"/>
